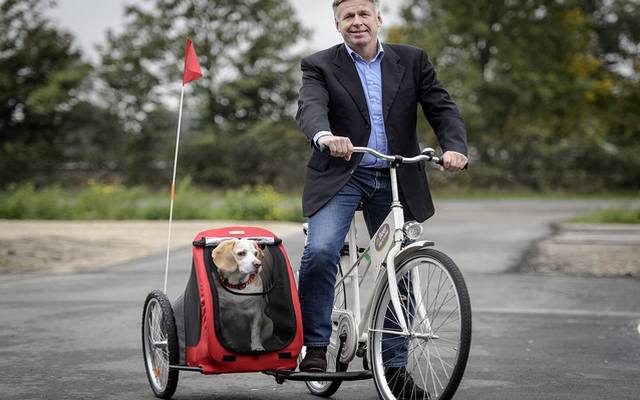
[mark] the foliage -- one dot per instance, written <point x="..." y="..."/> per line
<point x="618" y="215"/>
<point x="269" y="153"/>
<point x="40" y="76"/>
<point x="549" y="89"/>
<point x="241" y="106"/>
<point x="259" y="203"/>
<point x="63" y="120"/>
<point x="116" y="202"/>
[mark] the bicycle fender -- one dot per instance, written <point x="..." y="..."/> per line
<point x="405" y="253"/>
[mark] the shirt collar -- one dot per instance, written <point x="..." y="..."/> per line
<point x="357" y="57"/>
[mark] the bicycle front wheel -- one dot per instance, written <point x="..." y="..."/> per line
<point x="428" y="361"/>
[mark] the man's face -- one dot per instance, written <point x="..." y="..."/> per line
<point x="358" y="23"/>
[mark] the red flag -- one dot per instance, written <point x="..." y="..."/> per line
<point x="192" y="69"/>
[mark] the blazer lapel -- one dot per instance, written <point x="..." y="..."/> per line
<point x="348" y="77"/>
<point x="392" y="73"/>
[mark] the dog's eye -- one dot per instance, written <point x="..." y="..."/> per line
<point x="242" y="253"/>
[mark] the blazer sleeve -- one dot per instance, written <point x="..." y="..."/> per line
<point x="440" y="110"/>
<point x="313" y="101"/>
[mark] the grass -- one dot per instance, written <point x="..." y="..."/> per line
<point x="616" y="215"/>
<point x="457" y="193"/>
<point x="116" y="202"/>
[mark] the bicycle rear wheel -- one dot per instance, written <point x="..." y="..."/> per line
<point x="428" y="362"/>
<point x="328" y="388"/>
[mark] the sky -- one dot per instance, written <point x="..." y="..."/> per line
<point x="88" y="20"/>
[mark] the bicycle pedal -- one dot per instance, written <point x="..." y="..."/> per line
<point x="362" y="349"/>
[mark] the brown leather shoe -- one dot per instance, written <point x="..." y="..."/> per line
<point x="315" y="360"/>
<point x="402" y="385"/>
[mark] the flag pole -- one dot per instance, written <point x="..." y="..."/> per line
<point x="173" y="190"/>
<point x="191" y="72"/>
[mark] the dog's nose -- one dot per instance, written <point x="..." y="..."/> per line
<point x="257" y="264"/>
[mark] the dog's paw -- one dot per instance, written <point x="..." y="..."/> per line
<point x="257" y="347"/>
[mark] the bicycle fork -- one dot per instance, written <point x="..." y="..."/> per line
<point x="420" y="312"/>
<point x="393" y="288"/>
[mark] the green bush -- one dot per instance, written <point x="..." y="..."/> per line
<point x="617" y="215"/>
<point x="258" y="203"/>
<point x="116" y="202"/>
<point x="24" y="202"/>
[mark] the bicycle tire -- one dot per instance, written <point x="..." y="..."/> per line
<point x="328" y="388"/>
<point x="160" y="344"/>
<point x="447" y="349"/>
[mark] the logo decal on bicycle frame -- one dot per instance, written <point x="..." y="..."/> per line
<point x="382" y="236"/>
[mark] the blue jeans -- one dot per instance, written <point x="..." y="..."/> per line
<point x="327" y="230"/>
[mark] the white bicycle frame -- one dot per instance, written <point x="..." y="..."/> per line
<point x="383" y="252"/>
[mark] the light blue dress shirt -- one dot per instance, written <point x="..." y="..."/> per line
<point x="370" y="74"/>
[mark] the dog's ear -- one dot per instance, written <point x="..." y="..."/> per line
<point x="223" y="256"/>
<point x="260" y="255"/>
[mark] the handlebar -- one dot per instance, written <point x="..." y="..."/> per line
<point x="428" y="154"/>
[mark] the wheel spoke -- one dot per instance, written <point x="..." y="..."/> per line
<point x="424" y="294"/>
<point x="434" y="376"/>
<point x="442" y="362"/>
<point x="422" y="377"/>
<point x="447" y="319"/>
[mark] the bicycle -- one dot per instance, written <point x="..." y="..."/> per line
<point x="420" y="301"/>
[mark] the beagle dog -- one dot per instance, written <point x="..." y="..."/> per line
<point x="240" y="262"/>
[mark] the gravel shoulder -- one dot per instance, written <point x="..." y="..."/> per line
<point x="603" y="250"/>
<point x="71" y="246"/>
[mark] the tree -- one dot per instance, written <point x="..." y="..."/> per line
<point x="41" y="72"/>
<point x="244" y="47"/>
<point x="544" y="85"/>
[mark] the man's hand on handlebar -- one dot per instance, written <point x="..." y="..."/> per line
<point x="339" y="146"/>
<point x="453" y="161"/>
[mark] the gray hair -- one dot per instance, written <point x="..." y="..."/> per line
<point x="336" y="4"/>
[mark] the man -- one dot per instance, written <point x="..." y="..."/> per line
<point x="362" y="93"/>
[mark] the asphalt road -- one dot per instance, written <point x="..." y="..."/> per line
<point x="77" y="336"/>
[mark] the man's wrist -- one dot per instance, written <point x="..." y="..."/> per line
<point x="318" y="136"/>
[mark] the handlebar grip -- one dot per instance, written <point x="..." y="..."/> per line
<point x="439" y="161"/>
<point x="325" y="149"/>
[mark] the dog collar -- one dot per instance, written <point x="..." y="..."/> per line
<point x="225" y="282"/>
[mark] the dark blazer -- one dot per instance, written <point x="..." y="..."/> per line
<point x="332" y="99"/>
